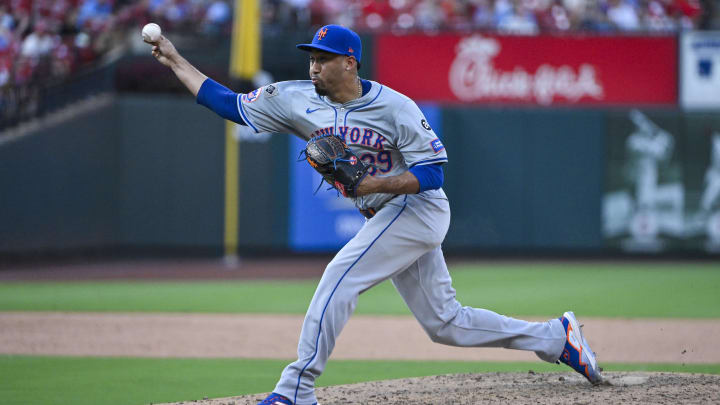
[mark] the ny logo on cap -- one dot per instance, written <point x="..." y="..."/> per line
<point x="322" y="33"/>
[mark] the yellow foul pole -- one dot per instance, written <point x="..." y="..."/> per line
<point x="244" y="64"/>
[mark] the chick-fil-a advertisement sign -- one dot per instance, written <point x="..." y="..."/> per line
<point x="541" y="70"/>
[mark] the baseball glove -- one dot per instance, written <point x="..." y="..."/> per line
<point x="338" y="165"/>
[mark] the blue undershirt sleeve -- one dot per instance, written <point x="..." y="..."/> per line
<point x="220" y="100"/>
<point x="430" y="177"/>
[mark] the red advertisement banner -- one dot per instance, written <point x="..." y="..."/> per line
<point x="542" y="70"/>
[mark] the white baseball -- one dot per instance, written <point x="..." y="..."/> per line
<point x="151" y="32"/>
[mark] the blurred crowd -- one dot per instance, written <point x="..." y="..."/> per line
<point x="45" y="41"/>
<point x="526" y="17"/>
<point x="53" y="38"/>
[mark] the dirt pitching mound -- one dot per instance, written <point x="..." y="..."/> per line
<point x="515" y="388"/>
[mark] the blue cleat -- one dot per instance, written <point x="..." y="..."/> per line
<point x="277" y="399"/>
<point x="577" y="353"/>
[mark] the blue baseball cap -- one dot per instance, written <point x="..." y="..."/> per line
<point x="335" y="39"/>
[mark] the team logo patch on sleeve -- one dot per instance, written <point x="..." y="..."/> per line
<point x="252" y="96"/>
<point x="425" y="124"/>
<point x="437" y="145"/>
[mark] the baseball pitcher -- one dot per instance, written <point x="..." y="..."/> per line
<point x="374" y="146"/>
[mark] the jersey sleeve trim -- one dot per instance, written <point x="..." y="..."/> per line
<point x="430" y="177"/>
<point x="244" y="116"/>
<point x="430" y="161"/>
<point x="219" y="99"/>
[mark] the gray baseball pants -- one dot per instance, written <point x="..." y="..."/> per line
<point x="402" y="242"/>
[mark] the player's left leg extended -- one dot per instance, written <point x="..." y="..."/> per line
<point x="427" y="289"/>
<point x="386" y="245"/>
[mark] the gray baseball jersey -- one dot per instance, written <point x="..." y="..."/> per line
<point x="383" y="127"/>
<point x="401" y="242"/>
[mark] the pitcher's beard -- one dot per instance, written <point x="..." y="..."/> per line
<point x="320" y="91"/>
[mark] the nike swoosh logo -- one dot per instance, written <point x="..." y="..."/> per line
<point x="309" y="111"/>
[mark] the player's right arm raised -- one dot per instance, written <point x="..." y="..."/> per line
<point x="164" y="51"/>
<point x="207" y="92"/>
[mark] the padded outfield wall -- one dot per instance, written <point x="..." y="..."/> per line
<point x="146" y="172"/>
<point x="142" y="172"/>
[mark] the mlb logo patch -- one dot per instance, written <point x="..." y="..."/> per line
<point x="271" y="91"/>
<point x="437" y="145"/>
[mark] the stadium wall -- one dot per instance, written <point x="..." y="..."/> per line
<point x="143" y="172"/>
<point x="524" y="179"/>
<point x="147" y="172"/>
<point x="59" y="187"/>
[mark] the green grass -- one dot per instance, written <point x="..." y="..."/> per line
<point x="128" y="381"/>
<point x="689" y="290"/>
<point x="607" y="290"/>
